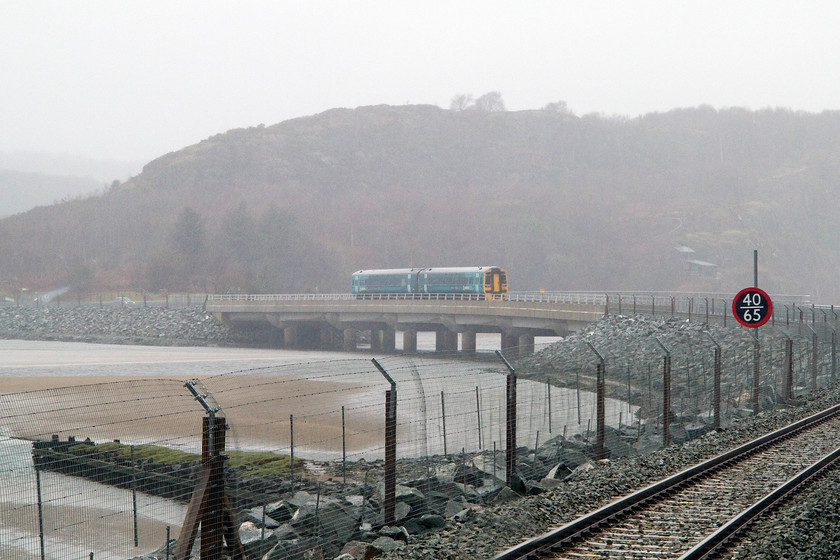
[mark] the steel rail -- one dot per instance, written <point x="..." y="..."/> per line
<point x="544" y="544"/>
<point x="720" y="538"/>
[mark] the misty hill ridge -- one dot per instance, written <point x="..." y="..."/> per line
<point x="562" y="202"/>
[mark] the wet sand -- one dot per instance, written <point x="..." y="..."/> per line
<point x="258" y="415"/>
<point x="68" y="382"/>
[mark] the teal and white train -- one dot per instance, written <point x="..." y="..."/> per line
<point x="490" y="282"/>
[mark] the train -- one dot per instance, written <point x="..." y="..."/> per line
<point x="487" y="282"/>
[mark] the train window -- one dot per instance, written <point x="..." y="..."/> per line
<point x="382" y="280"/>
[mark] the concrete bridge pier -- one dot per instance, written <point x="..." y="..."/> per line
<point x="290" y="337"/>
<point x="509" y="342"/>
<point x="521" y="345"/>
<point x="389" y="340"/>
<point x="410" y="341"/>
<point x="526" y="344"/>
<point x="331" y="337"/>
<point x="349" y="344"/>
<point x="468" y="341"/>
<point x="383" y="340"/>
<point x="307" y="335"/>
<point x="446" y="341"/>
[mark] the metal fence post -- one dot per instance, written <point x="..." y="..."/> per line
<point x="292" y="451"/>
<point x="815" y="350"/>
<point x="787" y="383"/>
<point x="478" y="416"/>
<point x="724" y="313"/>
<point x="209" y="505"/>
<point x="390" y="446"/>
<point x="510" y="453"/>
<point x="600" y="451"/>
<point x="716" y="382"/>
<point x="343" y="448"/>
<point x="40" y="509"/>
<point x="443" y="419"/>
<point x="134" y="497"/>
<point x="666" y="395"/>
<point x="548" y="394"/>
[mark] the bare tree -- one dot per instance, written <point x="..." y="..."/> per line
<point x="491" y="101"/>
<point x="461" y="102"/>
<point x="557" y="107"/>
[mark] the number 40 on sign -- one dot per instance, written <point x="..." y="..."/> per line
<point x="752" y="307"/>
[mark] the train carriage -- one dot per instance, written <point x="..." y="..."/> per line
<point x="489" y="282"/>
<point x="385" y="281"/>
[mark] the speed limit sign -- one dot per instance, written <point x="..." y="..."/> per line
<point x="752" y="307"/>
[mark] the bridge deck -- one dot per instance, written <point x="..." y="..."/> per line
<point x="458" y="315"/>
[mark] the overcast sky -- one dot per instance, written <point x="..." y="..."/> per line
<point x="135" y="80"/>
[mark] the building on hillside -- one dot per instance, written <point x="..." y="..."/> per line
<point x="702" y="269"/>
<point x="695" y="268"/>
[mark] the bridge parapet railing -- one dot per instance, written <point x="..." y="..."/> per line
<point x="654" y="303"/>
<point x="580" y="298"/>
<point x="583" y="298"/>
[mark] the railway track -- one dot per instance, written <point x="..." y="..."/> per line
<point x="693" y="513"/>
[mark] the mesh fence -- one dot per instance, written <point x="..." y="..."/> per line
<point x="110" y="469"/>
<point x="71" y="506"/>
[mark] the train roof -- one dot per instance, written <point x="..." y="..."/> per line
<point x="375" y="271"/>
<point x="460" y="269"/>
<point x="453" y="269"/>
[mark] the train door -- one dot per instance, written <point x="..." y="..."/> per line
<point x="494" y="284"/>
<point x="503" y="287"/>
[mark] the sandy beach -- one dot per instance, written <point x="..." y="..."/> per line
<point x="258" y="411"/>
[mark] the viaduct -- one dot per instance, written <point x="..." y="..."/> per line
<point x="329" y="321"/>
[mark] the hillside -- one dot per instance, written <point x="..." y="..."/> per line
<point x="562" y="202"/>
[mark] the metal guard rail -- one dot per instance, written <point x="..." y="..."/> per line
<point x="659" y="301"/>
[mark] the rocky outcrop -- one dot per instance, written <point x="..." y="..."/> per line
<point x="129" y="324"/>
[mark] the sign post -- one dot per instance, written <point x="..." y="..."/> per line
<point x="752" y="307"/>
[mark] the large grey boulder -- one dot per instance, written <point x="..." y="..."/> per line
<point x="256" y="541"/>
<point x="285" y="550"/>
<point x="259" y="518"/>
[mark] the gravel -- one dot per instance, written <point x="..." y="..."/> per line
<point x="493" y="529"/>
<point x="632" y="346"/>
<point x="806" y="527"/>
<point x="116" y="325"/>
